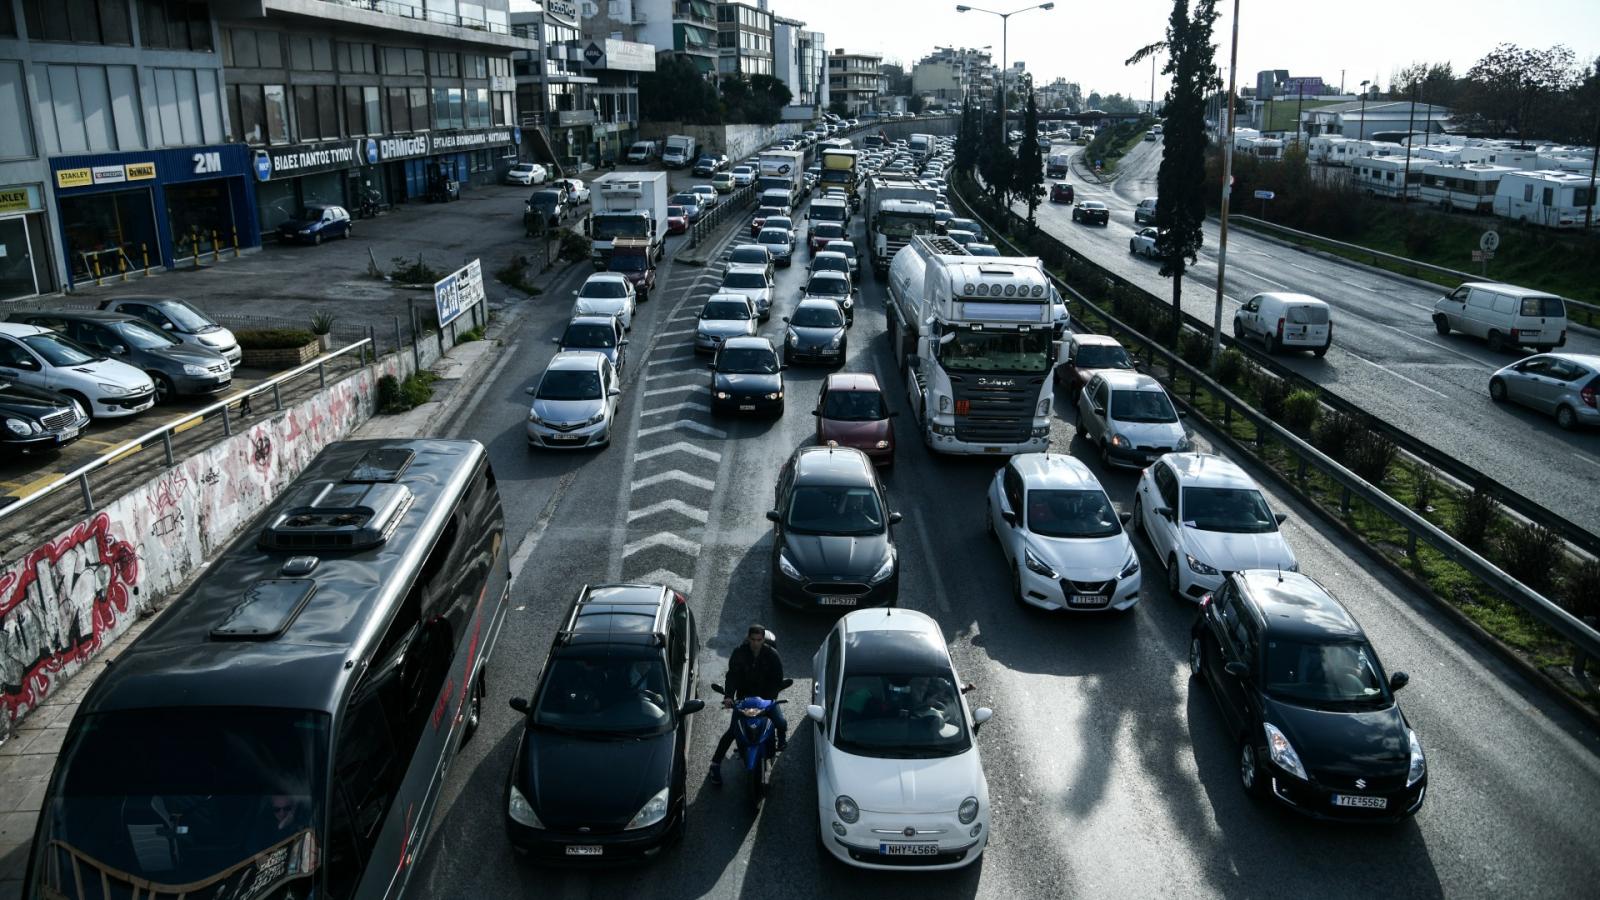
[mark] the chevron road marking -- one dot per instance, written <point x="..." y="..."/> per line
<point x="662" y="539"/>
<point x="677" y="506"/>
<point x="656" y="392"/>
<point x="670" y="579"/>
<point x="698" y="407"/>
<point x="685" y="424"/>
<point x="704" y="484"/>
<point x="680" y="447"/>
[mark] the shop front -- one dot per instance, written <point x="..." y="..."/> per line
<point x="121" y="212"/>
<point x="25" y="269"/>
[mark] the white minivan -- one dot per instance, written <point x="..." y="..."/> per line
<point x="104" y="387"/>
<point x="1284" y="321"/>
<point x="1504" y="315"/>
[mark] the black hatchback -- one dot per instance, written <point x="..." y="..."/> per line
<point x="599" y="773"/>
<point x="1315" y="721"/>
<point x="834" y="544"/>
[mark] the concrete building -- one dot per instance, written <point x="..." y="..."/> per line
<point x="800" y="61"/>
<point x="744" y="38"/>
<point x="1382" y="117"/>
<point x="814" y="67"/>
<point x="553" y="91"/>
<point x="687" y="28"/>
<point x="854" y="79"/>
<point x="585" y="98"/>
<point x="949" y="75"/>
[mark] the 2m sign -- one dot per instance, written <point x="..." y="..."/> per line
<point x="208" y="163"/>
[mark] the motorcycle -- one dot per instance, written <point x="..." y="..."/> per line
<point x="756" y="738"/>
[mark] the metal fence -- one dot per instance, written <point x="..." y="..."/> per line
<point x="732" y="205"/>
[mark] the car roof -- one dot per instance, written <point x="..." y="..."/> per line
<point x="828" y="254"/>
<point x="894" y="641"/>
<point x="144" y="298"/>
<point x="1294" y="604"/>
<point x="841" y="244"/>
<point x="575" y="360"/>
<point x="1208" y="470"/>
<point x="830" y="275"/>
<point x="752" y="248"/>
<point x="616" y="614"/>
<point x="1096" y="340"/>
<point x="1054" y="471"/>
<point x="1123" y="379"/>
<point x="1293" y="298"/>
<point x="833" y="465"/>
<point x="606" y="276"/>
<point x="816" y="303"/>
<point x="18" y="329"/>
<point x="593" y="320"/>
<point x="1509" y="290"/>
<point x="853" y="381"/>
<point x="82" y="315"/>
<point x="730" y="296"/>
<point x="747" y="342"/>
<point x="757" y="268"/>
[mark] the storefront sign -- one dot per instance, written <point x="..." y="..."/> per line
<point x="468" y="140"/>
<point x="565" y="11"/>
<point x="19" y="199"/>
<point x="456" y="293"/>
<point x="403" y="147"/>
<point x="305" y="159"/>
<point x="624" y="56"/>
<point x="71" y="178"/>
<point x="147" y="170"/>
<point x="110" y="174"/>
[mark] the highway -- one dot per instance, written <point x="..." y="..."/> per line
<point x="1386" y="355"/>
<point x="1110" y="772"/>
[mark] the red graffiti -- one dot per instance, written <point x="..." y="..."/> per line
<point x="57" y="605"/>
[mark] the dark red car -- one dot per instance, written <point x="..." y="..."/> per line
<point x="1061" y="192"/>
<point x="854" y="412"/>
<point x="677" y="220"/>
<point x="760" y="220"/>
<point x="823" y="232"/>
<point x="1086" y="354"/>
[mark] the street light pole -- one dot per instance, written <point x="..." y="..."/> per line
<point x="1362" y="134"/>
<point x="1227" y="189"/>
<point x="1005" y="20"/>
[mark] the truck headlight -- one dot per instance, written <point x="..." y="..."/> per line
<point x="1044" y="407"/>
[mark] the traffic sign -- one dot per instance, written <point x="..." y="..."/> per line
<point x="1482" y="255"/>
<point x="1490" y="241"/>
<point x="1264" y="195"/>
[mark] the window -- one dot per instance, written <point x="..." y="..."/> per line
<point x="444" y="65"/>
<point x="357" y="58"/>
<point x="414" y="62"/>
<point x="419" y="109"/>
<point x="175" y="24"/>
<point x="500" y="67"/>
<point x="475" y="66"/>
<point x="77" y="21"/>
<point x="353" y="116"/>
<point x="504" y="107"/>
<point x="300" y="52"/>
<point x="328" y="111"/>
<point x="305" y="112"/>
<point x="394" y="61"/>
<point x="8" y="20"/>
<point x="15" y="142"/>
<point x="399" y="110"/>
<point x="372" y="118"/>
<point x="249" y="113"/>
<point x="276" y="100"/>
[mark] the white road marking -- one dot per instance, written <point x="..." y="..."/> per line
<point x="685" y="424"/>
<point x="670" y="579"/>
<point x="677" y="506"/>
<point x="656" y="392"/>
<point x="704" y="484"/>
<point x="662" y="539"/>
<point x="1588" y="459"/>
<point x="699" y="373"/>
<point x="677" y="358"/>
<point x="698" y="407"/>
<point x="1478" y="363"/>
<point x="1265" y="278"/>
<point x="1304" y="268"/>
<point x="680" y="447"/>
<point x="1409" y="381"/>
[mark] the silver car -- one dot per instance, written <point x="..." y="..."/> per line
<point x="724" y="316"/>
<point x="779" y="244"/>
<point x="754" y="282"/>
<point x="602" y="334"/>
<point x="574" y="402"/>
<point x="1131" y="418"/>
<point x="1561" y="384"/>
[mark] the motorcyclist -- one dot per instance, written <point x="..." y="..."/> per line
<point x="754" y="670"/>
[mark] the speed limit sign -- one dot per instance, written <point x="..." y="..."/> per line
<point x="1489" y="242"/>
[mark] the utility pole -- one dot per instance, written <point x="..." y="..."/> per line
<point x="1363" y="133"/>
<point x="1152" y="84"/>
<point x="1227" y="189"/>
<point x="1588" y="215"/>
<point x="1411" y="121"/>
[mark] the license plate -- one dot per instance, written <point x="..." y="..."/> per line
<point x="584" y="849"/>
<point x="68" y="434"/>
<point x="991" y="449"/>
<point x="837" y="601"/>
<point x="901" y="849"/>
<point x="747" y="407"/>
<point x="1360" y="801"/>
<point x="1087" y="600"/>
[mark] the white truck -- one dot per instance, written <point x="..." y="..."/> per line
<point x="922" y="145"/>
<point x="975" y="338"/>
<point x="1056" y="165"/>
<point x="679" y="151"/>
<point x="784" y="169"/>
<point x="627" y="204"/>
<point x="898" y="209"/>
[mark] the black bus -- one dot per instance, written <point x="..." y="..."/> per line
<point x="283" y="728"/>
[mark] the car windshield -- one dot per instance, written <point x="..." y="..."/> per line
<point x="569" y="384"/>
<point x="767" y="212"/>
<point x="626" y="262"/>
<point x="745" y="280"/>
<point x="1142" y="406"/>
<point x="187" y="318"/>
<point x="835" y="509"/>
<point x="750" y="254"/>
<point x="774" y="236"/>
<point x="827" y="230"/>
<point x="853" y="406"/>
<point x="901" y="717"/>
<point x="1234" y="510"/>
<point x="217" y="803"/>
<point x="1091" y="204"/>
<point x="726" y="310"/>
<point x="748" y="361"/>
<point x="605" y="228"/>
<point x="1101" y="356"/>
<point x="143" y="336"/>
<point x="309" y="213"/>
<point x="830" y="264"/>
<point x="676" y="212"/>
<point x="1072" y="514"/>
<point x="58" y="351"/>
<point x="965" y="225"/>
<point x="825" y="284"/>
<point x="545" y="198"/>
<point x="1324" y="674"/>
<point x="996" y="351"/>
<point x="589" y="336"/>
<point x="780" y="221"/>
<point x="522" y="167"/>
<point x="619" y="691"/>
<point x="609" y="288"/>
<point x="686" y="200"/>
<point x="817" y="316"/>
<point x="845" y="247"/>
<point x="742" y="170"/>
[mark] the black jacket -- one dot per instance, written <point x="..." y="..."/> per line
<point x="754" y="676"/>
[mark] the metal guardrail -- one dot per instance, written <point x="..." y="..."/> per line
<point x="1535" y="604"/>
<point x="165" y="433"/>
<point x="734" y="204"/>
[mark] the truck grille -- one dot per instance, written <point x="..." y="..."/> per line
<point x="999" y="411"/>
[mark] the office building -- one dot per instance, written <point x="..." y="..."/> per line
<point x="854" y="79"/>
<point x="686" y="28"/>
<point x="744" y="38"/>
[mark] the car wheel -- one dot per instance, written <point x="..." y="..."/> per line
<point x="1196" y="657"/>
<point x="1566" y="418"/>
<point x="1320" y="352"/>
<point x="1078" y="429"/>
<point x="1441" y="325"/>
<point x="165" y="392"/>
<point x="1497" y="390"/>
<point x="1249" y="769"/>
<point x="474" y="708"/>
<point x="316" y="239"/>
<point x="1138" y="516"/>
<point x="88" y="408"/>
<point x="1497" y="342"/>
<point x="1274" y="346"/>
<point x="1131" y="248"/>
<point x="1238" y="330"/>
<point x="1173" y="587"/>
<point x="348" y="229"/>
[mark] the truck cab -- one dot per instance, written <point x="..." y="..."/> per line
<point x="632" y="257"/>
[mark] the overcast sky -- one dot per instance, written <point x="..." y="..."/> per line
<point x="1087" y="41"/>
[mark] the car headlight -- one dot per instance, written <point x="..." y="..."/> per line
<point x="884" y="571"/>
<point x="837" y="340"/>
<point x="1419" y="763"/>
<point x="1282" y="752"/>
<point x="1131" y="567"/>
<point x="654" y="811"/>
<point x="1037" y="565"/>
<point x="112" y="389"/>
<point x="792" y="340"/>
<point x="1198" y="567"/>
<point x="305" y="231"/>
<point x="195" y="370"/>
<point x="1118" y="440"/>
<point x="883" y="445"/>
<point x="18" y="426"/>
<point x="534" y="418"/>
<point x="787" y="568"/>
<point x="597" y="418"/>
<point x="968" y="810"/>
<point x="846" y="809"/>
<point x="775" y="395"/>
<point x="521" y="811"/>
<point x="1044" y="407"/>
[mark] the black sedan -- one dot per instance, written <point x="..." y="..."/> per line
<point x="815" y="333"/>
<point x="35" y="419"/>
<point x="1301" y="688"/>
<point x="1091" y="212"/>
<point x="747" y="377"/>
<point x="833" y="545"/>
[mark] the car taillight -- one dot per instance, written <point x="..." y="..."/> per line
<point x="1516" y="334"/>
<point x="1280" y="328"/>
<point x="1587" y="396"/>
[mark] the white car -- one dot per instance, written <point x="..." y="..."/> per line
<point x="574" y="402"/>
<point x="725" y="315"/>
<point x="527" y="173"/>
<point x="707" y="194"/>
<point x="103" y="387"/>
<point x="1205" y="517"/>
<point x="754" y="282"/>
<point x="743" y="176"/>
<point x="181" y="320"/>
<point x="1131" y="418"/>
<point x="900" y="783"/>
<point x="1143" y="242"/>
<point x="1061" y="536"/>
<point x="577" y="191"/>
<point x="606" y="294"/>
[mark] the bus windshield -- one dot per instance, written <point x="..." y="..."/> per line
<point x="217" y="802"/>
<point x="997" y="351"/>
<point x="901" y="225"/>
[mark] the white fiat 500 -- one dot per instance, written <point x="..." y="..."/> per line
<point x="900" y="784"/>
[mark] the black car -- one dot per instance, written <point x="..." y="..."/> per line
<point x="599" y="772"/>
<point x="833" y="544"/>
<point x="177" y="369"/>
<point x="710" y="164"/>
<point x="835" y="286"/>
<point x="36" y="419"/>
<point x="1091" y="212"/>
<point x="1302" y="691"/>
<point x="815" y="333"/>
<point x="747" y="377"/>
<point x="548" y="205"/>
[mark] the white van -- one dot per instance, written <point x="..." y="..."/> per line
<point x="1504" y="315"/>
<point x="1285" y="321"/>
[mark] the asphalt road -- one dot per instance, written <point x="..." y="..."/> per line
<point x="1386" y="355"/>
<point x="1109" y="771"/>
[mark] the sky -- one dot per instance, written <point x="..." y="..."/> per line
<point x="1087" y="42"/>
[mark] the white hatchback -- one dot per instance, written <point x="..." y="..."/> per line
<point x="606" y="294"/>
<point x="900" y="784"/>
<point x="104" y="387"/>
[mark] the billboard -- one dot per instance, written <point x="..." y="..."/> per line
<point x="457" y="292"/>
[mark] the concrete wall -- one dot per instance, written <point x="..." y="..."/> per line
<point x="69" y="597"/>
<point x="738" y="141"/>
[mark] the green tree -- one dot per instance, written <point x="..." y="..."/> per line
<point x="1511" y="84"/>
<point x="915" y="104"/>
<point x="1027" y="177"/>
<point x="995" y="159"/>
<point x="1180" y="184"/>
<point x="677" y="92"/>
<point x="969" y="134"/>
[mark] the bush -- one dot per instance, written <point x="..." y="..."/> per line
<point x="1230" y="367"/>
<point x="1424" y="486"/>
<point x="1335" y="434"/>
<point x="1371" y="455"/>
<point x="515" y="274"/>
<point x="1274" y="393"/>
<point x="1195" y="348"/>
<point x="1474" y="518"/>
<point x="1532" y="554"/>
<point x="407" y="271"/>
<point x="322" y="323"/>
<point x="471" y="334"/>
<point x="1580" y="589"/>
<point x="1419" y="241"/>
<point x="273" y="338"/>
<point x="574" y="246"/>
<point x="400" y="396"/>
<point x="1301" y="409"/>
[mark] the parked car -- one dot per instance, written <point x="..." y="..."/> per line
<point x="743" y="176"/>
<point x="677" y="220"/>
<point x="1503" y="315"/>
<point x="601" y="334"/>
<point x="181" y="320"/>
<point x="574" y="402"/>
<point x="1061" y="192"/>
<point x="104" y="387"/>
<point x="780" y="243"/>
<point x="835" y="286"/>
<point x="577" y="191"/>
<point x="527" y="173"/>
<point x="1285" y="321"/>
<point x="890" y="711"/>
<point x="1302" y="691"/>
<point x="1145" y="212"/>
<point x="1091" y="212"/>
<point x="1085" y="356"/>
<point x="816" y="332"/>
<point x="545" y="208"/>
<point x="746" y="376"/>
<point x="833" y="533"/>
<point x="751" y="282"/>
<point x="723" y="316"/>
<point x="599" y="774"/>
<point x="722" y="182"/>
<point x="176" y="369"/>
<point x="705" y="165"/>
<point x="853" y="411"/>
<point x="1560" y="384"/>
<point x="1131" y="418"/>
<point x="1062" y="539"/>
<point x="607" y="294"/>
<point x="315" y="223"/>
<point x="1205" y="517"/>
<point x="37" y="420"/>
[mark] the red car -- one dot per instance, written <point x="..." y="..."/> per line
<point x="677" y="220"/>
<point x="1060" y="192"/>
<point x="1084" y="356"/>
<point x="760" y="221"/>
<point x="822" y="233"/>
<point x="854" y="412"/>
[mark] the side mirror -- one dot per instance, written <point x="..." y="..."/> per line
<point x="817" y="413"/>
<point x="119" y="350"/>
<point x="1125" y="517"/>
<point x="529" y="391"/>
<point x="816" y="713"/>
<point x="1398" y="680"/>
<point x="1164" y="512"/>
<point x="1183" y="414"/>
<point x="1099" y="410"/>
<point x="1009" y="517"/>
<point x="786" y="684"/>
<point x="556" y="341"/>
<point x="717" y="688"/>
<point x="614" y="392"/>
<point x="981" y="715"/>
<point x="894" y="414"/>
<point x="691" y="707"/>
<point x="1281" y="517"/>
<point x="711" y="366"/>
<point x="518" y="704"/>
<point x="622" y="343"/>
<point x="895" y="518"/>
<point x="574" y="293"/>
<point x="772" y="515"/>
<point x="786" y="318"/>
<point x="1237" y="669"/>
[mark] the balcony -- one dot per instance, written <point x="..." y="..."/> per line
<point x="572" y="117"/>
<point x="414" y="10"/>
<point x="698" y="12"/>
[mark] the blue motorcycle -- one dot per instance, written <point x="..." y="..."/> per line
<point x="756" y="738"/>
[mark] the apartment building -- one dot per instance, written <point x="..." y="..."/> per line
<point x="854" y="79"/>
<point x="582" y="87"/>
<point x="744" y="38"/>
<point x="687" y="28"/>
